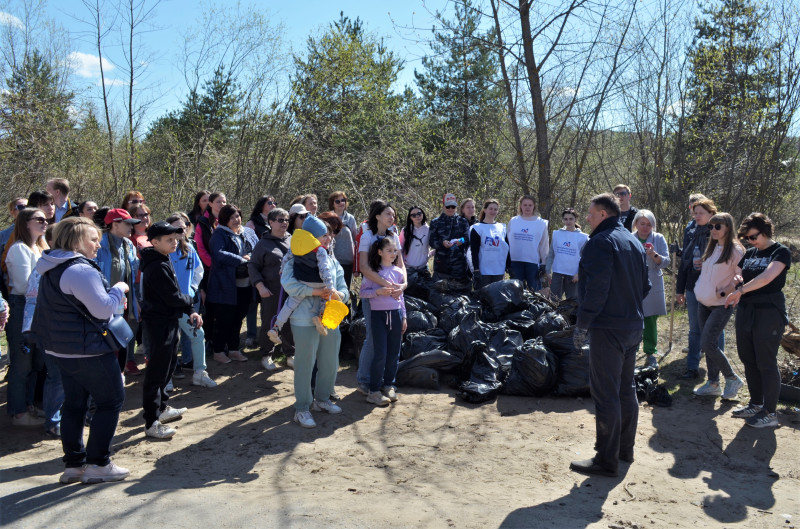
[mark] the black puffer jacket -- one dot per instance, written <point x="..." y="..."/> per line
<point x="161" y="294"/>
<point x="450" y="261"/>
<point x="687" y="275"/>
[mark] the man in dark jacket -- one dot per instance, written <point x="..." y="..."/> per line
<point x="162" y="305"/>
<point x="613" y="283"/>
<point x="449" y="236"/>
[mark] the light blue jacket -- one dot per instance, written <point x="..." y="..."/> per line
<point x="103" y="259"/>
<point x="189" y="271"/>
<point x="311" y="305"/>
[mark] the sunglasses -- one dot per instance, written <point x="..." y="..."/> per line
<point x="340" y="201"/>
<point x="718" y="227"/>
<point x="622" y="193"/>
<point x="752" y="237"/>
<point x="271" y="203"/>
<point x="136" y="201"/>
<point x="20" y="207"/>
<point x="40" y="220"/>
<point x="415" y="215"/>
<point x="281" y="221"/>
<point x="449" y="207"/>
<point x="143" y="215"/>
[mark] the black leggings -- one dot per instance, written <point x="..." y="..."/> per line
<point x="228" y="320"/>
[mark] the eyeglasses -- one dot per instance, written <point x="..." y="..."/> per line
<point x="718" y="227"/>
<point x="340" y="201"/>
<point x="40" y="220"/>
<point x="449" y="207"/>
<point x="282" y="221"/>
<point x="622" y="193"/>
<point x="418" y="214"/>
<point x="136" y="201"/>
<point x="752" y="237"/>
<point x="271" y="203"/>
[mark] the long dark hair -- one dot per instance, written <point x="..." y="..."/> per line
<point x="375" y="209"/>
<point x="408" y="229"/>
<point x="259" y="207"/>
<point x="196" y="211"/>
<point x="373" y="257"/>
<point x="211" y="198"/>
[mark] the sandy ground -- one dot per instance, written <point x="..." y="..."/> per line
<point x="430" y="460"/>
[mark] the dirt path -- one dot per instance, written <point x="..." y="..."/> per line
<point x="428" y="461"/>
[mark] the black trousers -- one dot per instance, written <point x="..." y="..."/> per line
<point x="228" y="320"/>
<point x="759" y="331"/>
<point x="612" y="360"/>
<point x="161" y="337"/>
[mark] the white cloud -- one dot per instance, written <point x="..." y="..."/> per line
<point x="87" y="65"/>
<point x="7" y="19"/>
<point x="113" y="82"/>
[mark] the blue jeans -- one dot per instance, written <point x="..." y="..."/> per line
<point x="387" y="335"/>
<point x="98" y="377"/>
<point x="24" y="362"/>
<point x="527" y="273"/>
<point x="53" y="397"/>
<point x="693" y="358"/>
<point x="196" y="341"/>
<point x="367" y="352"/>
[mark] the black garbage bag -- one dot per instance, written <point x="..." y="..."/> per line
<point x="569" y="309"/>
<point x="502" y="298"/>
<point x="648" y="388"/>
<point x="418" y="342"/>
<point x="658" y="395"/>
<point x="467" y="332"/>
<point x="413" y="303"/>
<point x="533" y="370"/>
<point x="418" y="377"/>
<point x="573" y="365"/>
<point x="522" y="321"/>
<point x="451" y="286"/>
<point x="358" y="333"/>
<point x="483" y="384"/>
<point x="537" y="304"/>
<point x="454" y="312"/>
<point x="420" y="321"/>
<point x="419" y="284"/>
<point x="549" y="322"/>
<point x="436" y="359"/>
<point x="502" y="340"/>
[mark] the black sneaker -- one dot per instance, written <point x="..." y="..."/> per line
<point x="690" y="374"/>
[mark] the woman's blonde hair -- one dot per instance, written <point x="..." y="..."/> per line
<point x="70" y="232"/>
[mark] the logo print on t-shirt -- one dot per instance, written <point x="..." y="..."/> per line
<point x="491" y="241"/>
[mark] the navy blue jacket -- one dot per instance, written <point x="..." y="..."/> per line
<point x="613" y="279"/>
<point x="226" y="255"/>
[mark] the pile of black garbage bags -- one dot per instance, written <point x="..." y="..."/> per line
<point x="500" y="339"/>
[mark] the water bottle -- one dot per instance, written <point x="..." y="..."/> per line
<point x="697" y="258"/>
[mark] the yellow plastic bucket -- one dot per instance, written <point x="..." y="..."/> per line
<point x="303" y="242"/>
<point x="334" y="313"/>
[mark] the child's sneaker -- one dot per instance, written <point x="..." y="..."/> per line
<point x="377" y="398"/>
<point x="318" y="324"/>
<point x="273" y="336"/>
<point x="159" y="431"/>
<point x="390" y="393"/>
<point x="171" y="414"/>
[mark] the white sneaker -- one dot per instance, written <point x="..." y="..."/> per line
<point x="377" y="398"/>
<point x="169" y="387"/>
<point x="290" y="362"/>
<point x="390" y="393"/>
<point x="201" y="378"/>
<point x="110" y="472"/>
<point x="325" y="405"/>
<point x="304" y="419"/>
<point x="268" y="364"/>
<point x="72" y="474"/>
<point x="171" y="414"/>
<point x="732" y="387"/>
<point x="709" y="389"/>
<point x="273" y="336"/>
<point x="159" y="431"/>
<point x="26" y="420"/>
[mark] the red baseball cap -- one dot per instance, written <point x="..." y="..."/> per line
<point x="119" y="214"/>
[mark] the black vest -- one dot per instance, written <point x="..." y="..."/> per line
<point x="57" y="326"/>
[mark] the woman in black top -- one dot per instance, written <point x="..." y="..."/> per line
<point x="760" y="318"/>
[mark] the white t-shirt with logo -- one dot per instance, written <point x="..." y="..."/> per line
<point x="527" y="240"/>
<point x="567" y="246"/>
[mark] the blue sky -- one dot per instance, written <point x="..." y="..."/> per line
<point x="393" y="20"/>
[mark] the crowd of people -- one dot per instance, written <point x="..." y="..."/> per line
<point x="182" y="288"/>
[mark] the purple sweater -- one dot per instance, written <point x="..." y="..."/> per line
<point x="369" y="290"/>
